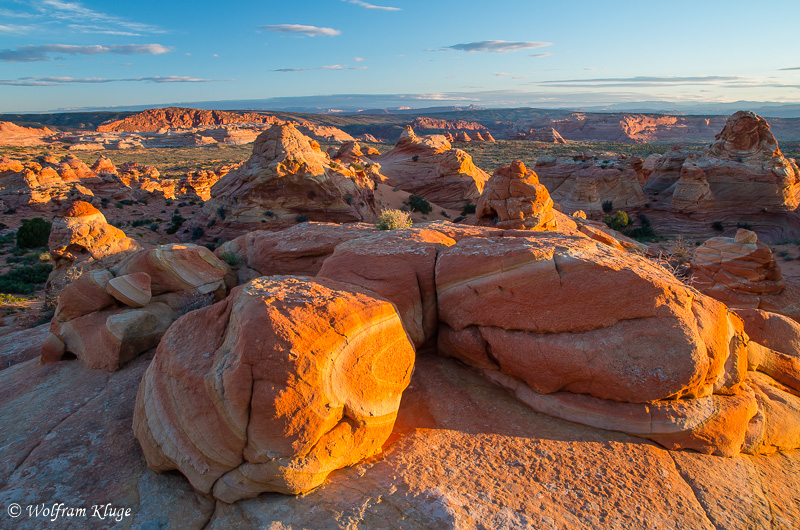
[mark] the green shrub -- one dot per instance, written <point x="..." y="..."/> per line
<point x="392" y="219"/>
<point x="419" y="204"/>
<point x="24" y="279"/>
<point x="33" y="233"/>
<point x="197" y="233"/>
<point x="302" y="218"/>
<point x="231" y="258"/>
<point x="608" y="206"/>
<point x="618" y="222"/>
<point x="468" y="209"/>
<point x="718" y="226"/>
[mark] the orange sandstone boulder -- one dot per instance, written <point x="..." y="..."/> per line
<point x="131" y="289"/>
<point x="399" y="266"/>
<point x="272" y="389"/>
<point x="81" y="232"/>
<point x="739" y="270"/>
<point x="514" y="199"/>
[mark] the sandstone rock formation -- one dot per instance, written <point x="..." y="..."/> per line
<point x="108" y="316"/>
<point x="666" y="170"/>
<point x="743" y="171"/>
<point x="564" y="359"/>
<point x="79" y="237"/>
<point x="742" y="272"/>
<point x="586" y="181"/>
<point x="399" y="266"/>
<point x="287" y="380"/>
<point x="151" y="120"/>
<point x="428" y="166"/>
<point x="546" y="135"/>
<point x="514" y="199"/>
<point x="288" y="176"/>
<point x="15" y="136"/>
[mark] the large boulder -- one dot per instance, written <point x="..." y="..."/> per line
<point x="517" y="308"/>
<point x="398" y="265"/>
<point x="272" y="389"/>
<point x="514" y="199"/>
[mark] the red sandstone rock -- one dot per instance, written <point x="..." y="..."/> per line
<point x="399" y="266"/>
<point x="151" y="120"/>
<point x="271" y="390"/>
<point x="743" y="170"/>
<point x="514" y="199"/>
<point x="131" y="289"/>
<point x="287" y="176"/>
<point x="429" y="167"/>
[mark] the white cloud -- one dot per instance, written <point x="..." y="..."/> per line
<point x="55" y="81"/>
<point x="496" y="46"/>
<point x="372" y="6"/>
<point x="300" y="29"/>
<point x="26" y="54"/>
<point x="87" y="20"/>
<point x="358" y="59"/>
<point x="541" y="54"/>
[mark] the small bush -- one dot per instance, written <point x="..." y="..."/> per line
<point x="608" y="206"/>
<point x="268" y="213"/>
<point x="10" y="211"/>
<point x="415" y="158"/>
<point x="154" y="227"/>
<point x="618" y="222"/>
<point x="419" y="204"/>
<point x="231" y="258"/>
<point x="33" y="233"/>
<point x="718" y="226"/>
<point x="302" y="218"/>
<point x="197" y="233"/>
<point x="222" y="212"/>
<point x="468" y="209"/>
<point x="393" y="219"/>
<point x="746" y="226"/>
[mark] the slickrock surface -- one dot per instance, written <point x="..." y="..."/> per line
<point x="428" y="166"/>
<point x="514" y="199"/>
<point x="14" y="135"/>
<point x="465" y="454"/>
<point x="288" y="176"/>
<point x="271" y="390"/>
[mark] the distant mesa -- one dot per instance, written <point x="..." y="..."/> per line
<point x="545" y="135"/>
<point x="153" y="120"/>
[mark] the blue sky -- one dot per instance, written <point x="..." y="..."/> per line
<point x="59" y="54"/>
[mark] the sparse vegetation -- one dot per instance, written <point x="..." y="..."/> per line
<point x="418" y="204"/>
<point x="468" y="209"/>
<point x="33" y="233"/>
<point x="302" y="218"/>
<point x="608" y="206"/>
<point x="718" y="226"/>
<point x="393" y="219"/>
<point x="24" y="280"/>
<point x="231" y="258"/>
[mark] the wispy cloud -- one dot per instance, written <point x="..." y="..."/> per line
<point x="327" y="67"/>
<point x="86" y="20"/>
<point x="540" y="55"/>
<point x="372" y="6"/>
<point x="792" y="68"/>
<point x="300" y="29"/>
<point x="496" y="46"/>
<point x="26" y="54"/>
<point x="501" y="74"/>
<point x="643" y="81"/>
<point x="15" y="29"/>
<point x="55" y="81"/>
